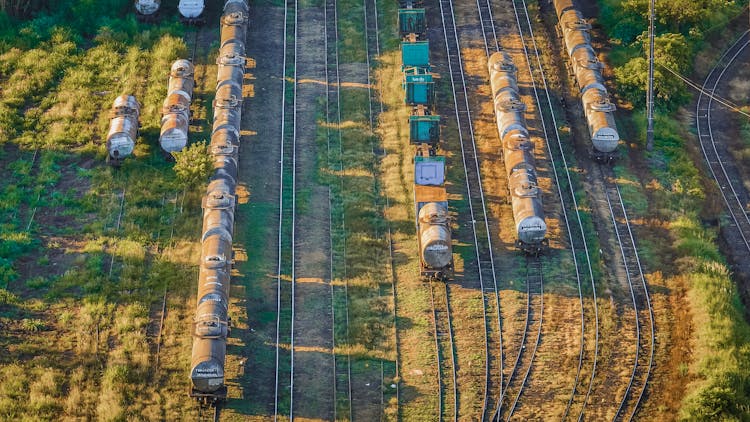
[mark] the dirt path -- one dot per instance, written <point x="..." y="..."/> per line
<point x="313" y="358"/>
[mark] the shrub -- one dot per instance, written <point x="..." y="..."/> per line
<point x="193" y="165"/>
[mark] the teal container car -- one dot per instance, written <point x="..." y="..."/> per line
<point x="415" y="53"/>
<point x="412" y="21"/>
<point x="419" y="86"/>
<point x="424" y="129"/>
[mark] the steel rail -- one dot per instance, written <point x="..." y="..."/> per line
<point x="544" y="89"/>
<point x="531" y="264"/>
<point x="279" y="268"/>
<point x="712" y="155"/>
<point x="478" y="182"/>
<point x="625" y="238"/>
<point x="438" y="334"/>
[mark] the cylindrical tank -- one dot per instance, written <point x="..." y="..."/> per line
<point x="528" y="213"/>
<point x="227" y="116"/>
<point x="176" y="102"/>
<point x="191" y="9"/>
<point x="230" y="68"/>
<point x="207" y="372"/>
<point x="217" y="220"/>
<point x="435" y="236"/>
<point x="181" y="77"/>
<point x="225" y="166"/>
<point x="147" y="7"/>
<point x="600" y="117"/>
<point x="224" y="135"/>
<point x="228" y="93"/>
<point x="562" y="6"/>
<point x="233" y="27"/>
<point x="213" y="285"/>
<point x="232" y="47"/>
<point x="589" y="79"/>
<point x="174" y="132"/>
<point x="216" y="250"/>
<point x="126" y="104"/>
<point x="235" y="6"/>
<point x="123" y="128"/>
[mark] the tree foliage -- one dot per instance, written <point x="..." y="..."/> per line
<point x="21" y="8"/>
<point x="671" y="52"/>
<point x="681" y="26"/>
<point x="193" y="164"/>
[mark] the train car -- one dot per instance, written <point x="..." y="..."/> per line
<point x="212" y="323"/>
<point x="147" y="10"/>
<point x="191" y="11"/>
<point x="587" y="71"/>
<point x="518" y="154"/>
<point x="123" y="128"/>
<point x="433" y="221"/>
<point x="175" y="120"/>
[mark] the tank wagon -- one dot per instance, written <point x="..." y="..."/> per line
<point x="433" y="220"/>
<point x="518" y="153"/>
<point x="191" y="11"/>
<point x="123" y="129"/>
<point x="587" y="71"/>
<point x="175" y="111"/>
<point x="211" y="325"/>
<point x="147" y="10"/>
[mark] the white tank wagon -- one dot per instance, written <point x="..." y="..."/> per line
<point x="433" y="221"/>
<point x="211" y="319"/>
<point x="435" y="247"/>
<point x="518" y="154"/>
<point x="210" y="332"/>
<point x="587" y="70"/>
<point x="147" y="10"/>
<point x="599" y="111"/>
<point x="234" y="22"/>
<point x="175" y="122"/>
<point x="123" y="128"/>
<point x="191" y="11"/>
<point x="230" y="67"/>
<point x="182" y="77"/>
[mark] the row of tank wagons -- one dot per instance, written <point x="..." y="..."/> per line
<point x="211" y="323"/>
<point x="518" y="154"/>
<point x="191" y="11"/>
<point x="175" y="121"/>
<point x="587" y="71"/>
<point x="433" y="223"/>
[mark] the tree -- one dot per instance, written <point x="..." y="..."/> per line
<point x="193" y="164"/>
<point x="671" y="51"/>
<point x="21" y="8"/>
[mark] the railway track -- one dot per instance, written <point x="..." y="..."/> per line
<point x="644" y="324"/>
<point x="118" y="221"/>
<point x="567" y="197"/>
<point x="286" y="215"/>
<point x="636" y="282"/>
<point x="534" y="293"/>
<point x="372" y="41"/>
<point x="484" y="258"/>
<point x="444" y="347"/>
<point x="721" y="166"/>
<point x="342" y="388"/>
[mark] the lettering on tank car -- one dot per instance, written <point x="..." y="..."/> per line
<point x="438" y="247"/>
<point x="212" y="371"/>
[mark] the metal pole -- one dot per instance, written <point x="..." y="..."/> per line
<point x="650" y="91"/>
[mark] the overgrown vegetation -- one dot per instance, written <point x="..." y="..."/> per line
<point x="87" y="251"/>
<point x="719" y="374"/>
<point x="681" y="28"/>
